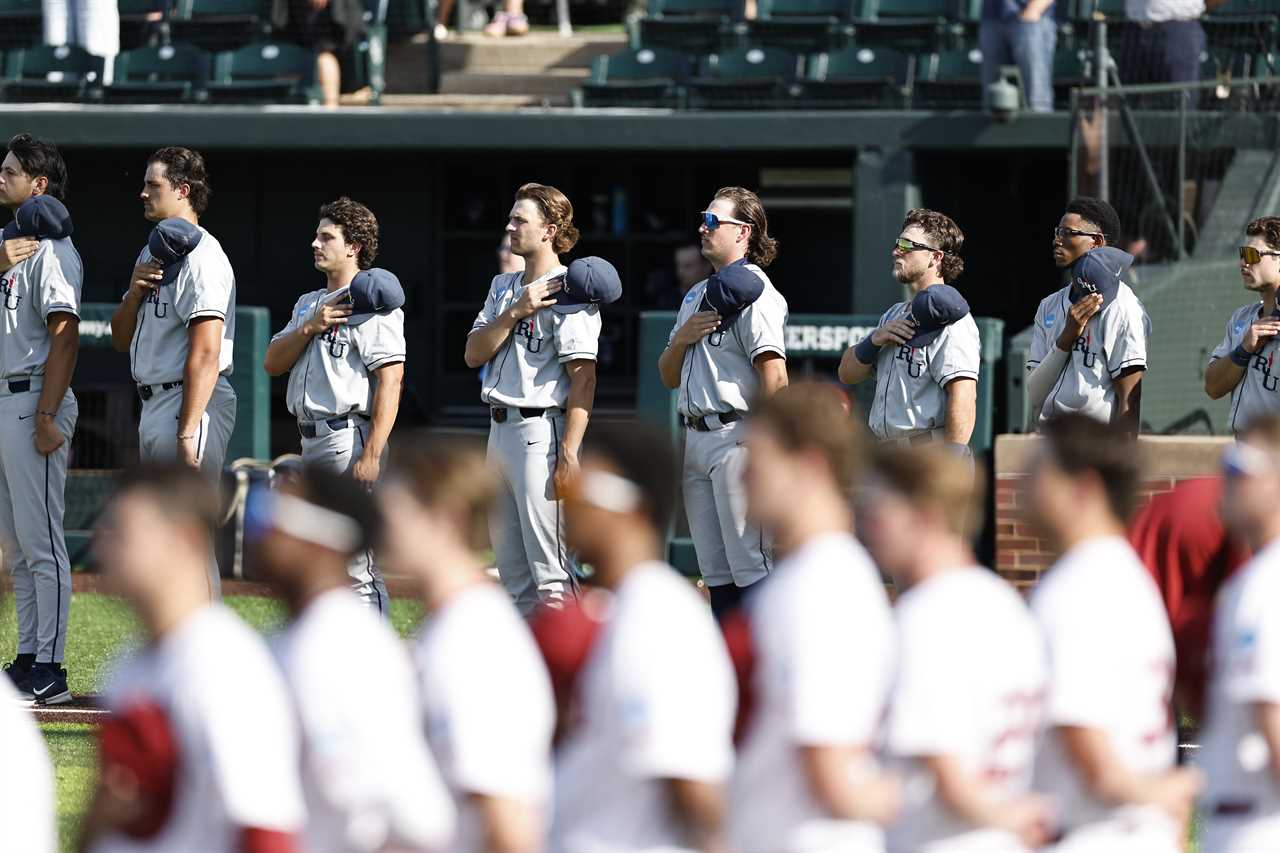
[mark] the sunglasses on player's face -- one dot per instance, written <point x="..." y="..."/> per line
<point x="712" y="221"/>
<point x="906" y="247"/>
<point x="1064" y="234"/>
<point x="1251" y="256"/>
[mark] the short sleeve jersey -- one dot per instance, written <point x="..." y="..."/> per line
<point x="332" y="376"/>
<point x="1258" y="392"/>
<point x="911" y="382"/>
<point x="1113" y="341"/>
<point x="528" y="369"/>
<point x="46" y="283"/>
<point x="718" y="374"/>
<point x="204" y="287"/>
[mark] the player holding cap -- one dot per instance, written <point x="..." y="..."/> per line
<point x="925" y="353"/>
<point x="201" y="749"/>
<point x="1089" y="348"/>
<point x="476" y="657"/>
<point x="38" y="346"/>
<point x="968" y="700"/>
<point x="822" y="642"/>
<point x="644" y="767"/>
<point x="1108" y="757"/>
<point x="344" y="351"/>
<point x="367" y="787"/>
<point x="728" y="347"/>
<point x="177" y="322"/>
<point x="540" y="385"/>
<point x="1241" y="364"/>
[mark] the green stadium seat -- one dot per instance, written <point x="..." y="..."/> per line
<point x="640" y="77"/>
<point x="801" y="25"/>
<point x="267" y="72"/>
<point x="219" y="25"/>
<point x="77" y="73"/>
<point x="135" y="28"/>
<point x="165" y="74"/>
<point x="696" y="26"/>
<point x="1071" y="69"/>
<point x="949" y="79"/>
<point x="1243" y="26"/>
<point x="856" y="78"/>
<point x="20" y="23"/>
<point x="744" y="78"/>
<point x="913" y="26"/>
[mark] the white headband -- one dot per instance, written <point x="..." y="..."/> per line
<point x="317" y="525"/>
<point x="610" y="492"/>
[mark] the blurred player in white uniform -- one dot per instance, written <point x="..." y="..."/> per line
<point x="967" y="703"/>
<point x="177" y="322"/>
<point x="346" y="369"/>
<point x="821" y="640"/>
<point x="40" y="278"/>
<point x="489" y="713"/>
<point x="1108" y="757"/>
<point x="1240" y="747"/>
<point x="648" y="753"/>
<point x="368" y="776"/>
<point x="201" y="749"/>
<point x="1089" y="346"/>
<point x="925" y="354"/>
<point x="727" y="348"/>
<point x="538" y="349"/>
<point x="1242" y="364"/>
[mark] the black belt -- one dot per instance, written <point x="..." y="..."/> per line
<point x="501" y="413"/>
<point x="308" y="428"/>
<point x="19" y="386"/>
<point x="700" y="424"/>
<point x="146" y="392"/>
<point x="1233" y="808"/>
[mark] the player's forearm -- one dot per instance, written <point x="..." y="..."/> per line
<point x="826" y="769"/>
<point x="772" y="369"/>
<point x="64" y="345"/>
<point x="283" y="353"/>
<point x="386" y="405"/>
<point x="582" y="398"/>
<point x="484" y="343"/>
<point x="124" y="320"/>
<point x="1267" y="715"/>
<point x="199" y="375"/>
<point x="700" y="807"/>
<point x="1128" y="402"/>
<point x="671" y="365"/>
<point x="510" y="826"/>
<point x="963" y="794"/>
<point x="962" y="411"/>
<point x="1221" y="377"/>
<point x="852" y="370"/>
<point x="1103" y="774"/>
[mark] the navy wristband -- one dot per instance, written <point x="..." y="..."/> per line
<point x="865" y="351"/>
<point x="1241" y="356"/>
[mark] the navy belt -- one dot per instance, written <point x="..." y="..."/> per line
<point x="700" y="424"/>
<point x="19" y="386"/>
<point x="146" y="392"/>
<point x="501" y="413"/>
<point x="1233" y="808"/>
<point x="308" y="428"/>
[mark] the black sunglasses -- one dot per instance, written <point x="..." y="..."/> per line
<point x="902" y="244"/>
<point x="1067" y="233"/>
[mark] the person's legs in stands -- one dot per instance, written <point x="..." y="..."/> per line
<point x="1033" y="47"/>
<point x="328" y="77"/>
<point x="1183" y="44"/>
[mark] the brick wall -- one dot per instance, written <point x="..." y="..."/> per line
<point x="1021" y="555"/>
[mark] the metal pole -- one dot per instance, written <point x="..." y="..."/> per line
<point x="1102" y="60"/>
<point x="1073" y="161"/>
<point x="1182" y="175"/>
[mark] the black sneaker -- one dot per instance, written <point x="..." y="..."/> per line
<point x="47" y="685"/>
<point x="19" y="671"/>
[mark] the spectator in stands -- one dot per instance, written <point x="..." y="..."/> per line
<point x="1022" y="33"/>
<point x="511" y="21"/>
<point x="508" y="262"/>
<point x="330" y="28"/>
<point x="91" y="24"/>
<point x="668" y="287"/>
<point x="1166" y="45"/>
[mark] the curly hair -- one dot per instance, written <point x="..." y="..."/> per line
<point x="943" y="232"/>
<point x="556" y="210"/>
<point x="761" y="248"/>
<point x="1266" y="227"/>
<point x="1100" y="213"/>
<point x="40" y="158"/>
<point x="359" y="227"/>
<point x="185" y="166"/>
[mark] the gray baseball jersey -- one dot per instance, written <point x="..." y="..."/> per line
<point x="1258" y="392"/>
<point x="1114" y="340"/>
<point x="32" y="487"/>
<point x="204" y="287"/>
<point x="911" y="397"/>
<point x="527" y="370"/>
<point x="331" y="377"/>
<point x="718" y="374"/>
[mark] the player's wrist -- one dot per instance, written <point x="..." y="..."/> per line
<point x="1241" y="356"/>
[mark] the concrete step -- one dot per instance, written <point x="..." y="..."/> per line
<point x="532" y="53"/>
<point x="553" y="84"/>
<point x="472" y="103"/>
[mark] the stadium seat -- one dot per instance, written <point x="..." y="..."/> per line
<point x="1244" y="26"/>
<point x="76" y="74"/>
<point x="164" y="74"/>
<point x="1071" y="69"/>
<point x="949" y="79"/>
<point x="218" y="25"/>
<point x="857" y="78"/>
<point x="135" y="28"/>
<point x="801" y="25"/>
<point x="913" y="26"/>
<point x="20" y="23"/>
<point x="643" y="77"/>
<point x="268" y="72"/>
<point x="744" y="78"/>
<point x="696" y="26"/>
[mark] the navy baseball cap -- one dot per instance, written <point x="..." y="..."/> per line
<point x="1098" y="271"/>
<point x="374" y="291"/>
<point x="932" y="310"/>
<point x="42" y="217"/>
<point x="170" y="243"/>
<point x="589" y="281"/>
<point x="730" y="290"/>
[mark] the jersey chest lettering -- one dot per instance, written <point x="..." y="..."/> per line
<point x="1262" y="364"/>
<point x="334" y="342"/>
<point x="907" y="355"/>
<point x="158" y="307"/>
<point x="9" y="288"/>
<point x="1084" y="346"/>
<point x="526" y="333"/>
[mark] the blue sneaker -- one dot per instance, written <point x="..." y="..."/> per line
<point x="47" y="685"/>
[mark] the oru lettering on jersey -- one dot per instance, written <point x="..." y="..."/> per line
<point x="11" y="300"/>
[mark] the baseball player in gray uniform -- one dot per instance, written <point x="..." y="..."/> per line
<point x="727" y="348"/>
<point x="344" y="351"/>
<point x="177" y="322"/>
<point x="538" y="334"/>
<point x="41" y="334"/>
<point x="1089" y="345"/>
<point x="925" y="353"/>
<point x="1242" y="364"/>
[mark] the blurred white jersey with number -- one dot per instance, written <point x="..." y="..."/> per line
<point x="822" y="637"/>
<point x="368" y="777"/>
<point x="1241" y="798"/>
<point x="1111" y="662"/>
<point x="489" y="710"/>
<point x="656" y="702"/>
<point x="213" y="680"/>
<point x="970" y="686"/>
<point x="27" y="812"/>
